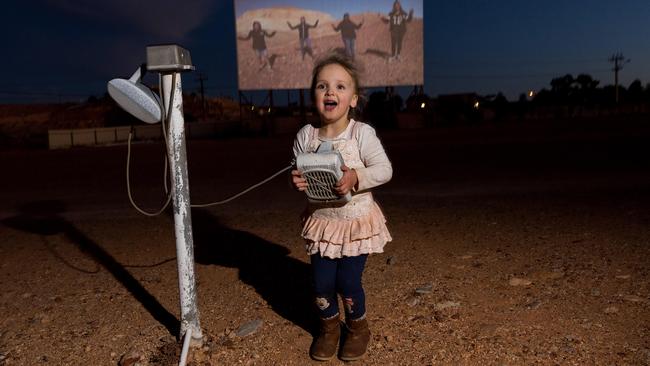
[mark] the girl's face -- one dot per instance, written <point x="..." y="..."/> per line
<point x="334" y="94"/>
<point x="257" y="26"/>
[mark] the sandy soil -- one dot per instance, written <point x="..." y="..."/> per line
<point x="512" y="245"/>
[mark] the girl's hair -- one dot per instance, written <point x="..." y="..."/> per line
<point x="396" y="4"/>
<point x="337" y="58"/>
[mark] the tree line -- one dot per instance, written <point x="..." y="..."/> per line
<point x="584" y="90"/>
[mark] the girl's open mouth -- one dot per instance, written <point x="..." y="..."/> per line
<point x="330" y="105"/>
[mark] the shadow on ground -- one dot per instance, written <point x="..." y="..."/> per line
<point x="378" y="53"/>
<point x="282" y="281"/>
<point x="44" y="218"/>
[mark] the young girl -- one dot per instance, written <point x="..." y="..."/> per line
<point x="339" y="238"/>
<point x="259" y="45"/>
<point x="397" y="19"/>
<point x="348" y="31"/>
<point x="303" y="36"/>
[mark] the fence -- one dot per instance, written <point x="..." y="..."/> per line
<point x="61" y="139"/>
<point x="58" y="139"/>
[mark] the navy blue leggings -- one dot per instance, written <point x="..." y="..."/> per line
<point x="342" y="276"/>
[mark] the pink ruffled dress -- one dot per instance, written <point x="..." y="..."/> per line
<point x="358" y="227"/>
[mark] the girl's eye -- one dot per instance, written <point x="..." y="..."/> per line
<point x="320" y="86"/>
<point x="341" y="87"/>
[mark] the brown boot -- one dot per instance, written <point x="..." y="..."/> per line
<point x="356" y="340"/>
<point x="324" y="346"/>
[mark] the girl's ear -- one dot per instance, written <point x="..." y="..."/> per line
<point x="353" y="102"/>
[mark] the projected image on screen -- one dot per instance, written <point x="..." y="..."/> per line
<point x="278" y="40"/>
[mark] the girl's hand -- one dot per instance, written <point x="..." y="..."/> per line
<point x="299" y="183"/>
<point x="348" y="181"/>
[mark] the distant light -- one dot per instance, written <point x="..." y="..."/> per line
<point x="252" y="108"/>
<point x="423" y="105"/>
<point x="269" y="109"/>
<point x="531" y="93"/>
<point x="476" y="105"/>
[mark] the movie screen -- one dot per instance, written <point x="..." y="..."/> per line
<point x="278" y="40"/>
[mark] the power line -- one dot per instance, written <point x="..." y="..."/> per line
<point x="509" y="76"/>
<point x="201" y="78"/>
<point x="41" y="94"/>
<point x="511" y="62"/>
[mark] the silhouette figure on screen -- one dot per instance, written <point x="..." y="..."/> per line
<point x="303" y="35"/>
<point x="348" y="31"/>
<point x="397" y="20"/>
<point x="259" y="44"/>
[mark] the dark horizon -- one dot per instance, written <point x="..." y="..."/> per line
<point x="68" y="50"/>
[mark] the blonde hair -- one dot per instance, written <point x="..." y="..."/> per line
<point x="337" y="58"/>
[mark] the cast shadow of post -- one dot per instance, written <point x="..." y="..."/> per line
<point x="43" y="218"/>
<point x="283" y="282"/>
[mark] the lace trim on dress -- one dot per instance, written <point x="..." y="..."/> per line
<point x="336" y="238"/>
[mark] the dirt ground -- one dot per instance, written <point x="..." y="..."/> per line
<point x="513" y="245"/>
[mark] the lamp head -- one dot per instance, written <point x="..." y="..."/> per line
<point x="136" y="98"/>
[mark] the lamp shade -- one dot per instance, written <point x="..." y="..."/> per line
<point x="136" y="99"/>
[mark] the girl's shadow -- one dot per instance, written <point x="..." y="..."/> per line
<point x="282" y="281"/>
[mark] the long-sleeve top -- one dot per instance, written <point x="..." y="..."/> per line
<point x="303" y="28"/>
<point x="398" y="20"/>
<point x="348" y="29"/>
<point x="378" y="169"/>
<point x="258" y="38"/>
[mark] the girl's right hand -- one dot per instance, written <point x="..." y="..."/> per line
<point x="298" y="181"/>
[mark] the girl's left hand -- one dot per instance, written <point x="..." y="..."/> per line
<point x="348" y="181"/>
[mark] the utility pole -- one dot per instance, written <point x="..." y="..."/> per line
<point x="201" y="78"/>
<point x="618" y="61"/>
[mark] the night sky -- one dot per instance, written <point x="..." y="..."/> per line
<point x="58" y="50"/>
